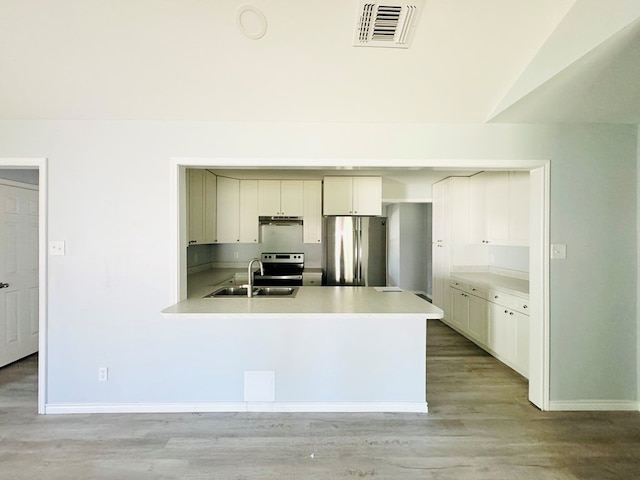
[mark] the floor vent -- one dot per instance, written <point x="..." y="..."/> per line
<point x="388" y="24"/>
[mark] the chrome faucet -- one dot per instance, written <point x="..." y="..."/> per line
<point x="250" y="275"/>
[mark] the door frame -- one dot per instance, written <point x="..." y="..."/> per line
<point x="540" y="173"/>
<point x="39" y="164"/>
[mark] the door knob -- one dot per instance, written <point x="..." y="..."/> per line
<point x="3" y="285"/>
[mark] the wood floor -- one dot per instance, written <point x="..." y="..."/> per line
<point x="479" y="426"/>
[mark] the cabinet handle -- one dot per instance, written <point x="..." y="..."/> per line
<point x="506" y="311"/>
<point x="524" y="306"/>
<point x="496" y="296"/>
<point x="473" y="289"/>
<point x="510" y="313"/>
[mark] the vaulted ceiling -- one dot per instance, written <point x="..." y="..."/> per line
<point x="470" y="61"/>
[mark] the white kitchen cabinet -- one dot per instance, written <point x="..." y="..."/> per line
<point x="519" y="193"/>
<point x="280" y="198"/>
<point x="248" y="214"/>
<point x="237" y="211"/>
<point x="478" y="319"/>
<point x="352" y="196"/>
<point x="459" y="308"/>
<point x="499" y="208"/>
<point x="509" y="329"/>
<point x="228" y="210"/>
<point x="477" y="209"/>
<point x="201" y="220"/>
<point x="468" y="310"/>
<point x="312" y="211"/>
<point x="450" y="212"/>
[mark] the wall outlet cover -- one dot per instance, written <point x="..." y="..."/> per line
<point x="558" y="251"/>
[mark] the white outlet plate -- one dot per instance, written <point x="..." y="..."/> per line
<point x="558" y="250"/>
<point x="56" y="248"/>
<point x="103" y="374"/>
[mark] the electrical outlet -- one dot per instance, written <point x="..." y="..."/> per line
<point x="236" y="255"/>
<point x="103" y="374"/>
<point x="56" y="248"/>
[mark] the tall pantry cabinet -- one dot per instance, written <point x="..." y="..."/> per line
<point x="450" y="226"/>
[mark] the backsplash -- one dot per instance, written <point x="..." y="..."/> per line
<point x="273" y="239"/>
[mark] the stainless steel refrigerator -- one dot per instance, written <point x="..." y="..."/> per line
<point x="356" y="251"/>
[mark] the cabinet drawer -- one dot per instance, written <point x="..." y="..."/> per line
<point x="469" y="288"/>
<point x="508" y="300"/>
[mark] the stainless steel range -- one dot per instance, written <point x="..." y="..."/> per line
<point x="281" y="269"/>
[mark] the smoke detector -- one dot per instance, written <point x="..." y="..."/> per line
<point x="386" y="24"/>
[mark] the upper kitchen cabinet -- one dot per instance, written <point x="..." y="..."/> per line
<point x="312" y="211"/>
<point x="499" y="208"/>
<point x="248" y="218"/>
<point x="237" y="210"/>
<point x="280" y="198"/>
<point x="202" y="199"/>
<point x="352" y="196"/>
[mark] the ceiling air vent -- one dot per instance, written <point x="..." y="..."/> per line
<point x="386" y="24"/>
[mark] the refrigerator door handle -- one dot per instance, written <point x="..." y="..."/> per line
<point x="358" y="238"/>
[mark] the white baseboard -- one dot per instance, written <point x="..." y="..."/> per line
<point x="281" y="407"/>
<point x="593" y="405"/>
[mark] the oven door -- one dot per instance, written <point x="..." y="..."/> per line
<point x="277" y="280"/>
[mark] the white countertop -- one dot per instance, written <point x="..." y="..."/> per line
<point x="513" y="285"/>
<point x="337" y="301"/>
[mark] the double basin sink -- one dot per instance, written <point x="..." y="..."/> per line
<point x="257" y="292"/>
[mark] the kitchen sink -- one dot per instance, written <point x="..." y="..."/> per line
<point x="257" y="292"/>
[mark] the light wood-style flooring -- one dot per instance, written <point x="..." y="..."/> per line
<point x="479" y="426"/>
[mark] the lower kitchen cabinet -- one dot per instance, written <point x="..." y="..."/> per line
<point x="495" y="320"/>
<point x="468" y="308"/>
<point x="509" y="333"/>
<point x="478" y="318"/>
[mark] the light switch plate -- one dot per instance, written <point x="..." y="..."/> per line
<point x="56" y="248"/>
<point x="558" y="250"/>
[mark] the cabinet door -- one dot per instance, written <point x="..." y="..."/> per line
<point x="338" y="194"/>
<point x="477" y="209"/>
<point x="367" y="195"/>
<point x="437" y="213"/>
<point x="440" y="276"/>
<point x="459" y="210"/>
<point x="521" y="357"/>
<point x="210" y="207"/>
<point x="195" y="219"/>
<point x="497" y="208"/>
<point x="228" y="210"/>
<point x="459" y="309"/>
<point x="519" y="208"/>
<point x="269" y="198"/>
<point x="501" y="332"/>
<point x="478" y="318"/>
<point x="312" y="214"/>
<point x="249" y="229"/>
<point x="292" y="198"/>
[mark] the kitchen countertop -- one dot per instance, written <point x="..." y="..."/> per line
<point x="335" y="301"/>
<point x="508" y="284"/>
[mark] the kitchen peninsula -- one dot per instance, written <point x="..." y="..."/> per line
<point x="324" y="349"/>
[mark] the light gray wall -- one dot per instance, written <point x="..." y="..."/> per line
<point x="409" y="234"/>
<point x="108" y="197"/>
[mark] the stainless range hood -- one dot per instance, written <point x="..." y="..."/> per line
<point x="280" y="221"/>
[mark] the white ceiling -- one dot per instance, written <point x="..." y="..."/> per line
<point x="470" y="61"/>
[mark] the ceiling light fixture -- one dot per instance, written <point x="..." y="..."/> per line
<point x="251" y="21"/>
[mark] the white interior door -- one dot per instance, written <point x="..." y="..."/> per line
<point x="18" y="273"/>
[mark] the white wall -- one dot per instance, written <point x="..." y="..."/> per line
<point x="109" y="185"/>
